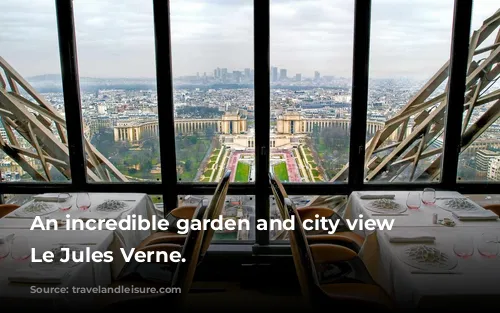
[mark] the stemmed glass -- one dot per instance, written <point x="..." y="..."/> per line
<point x="429" y="196"/>
<point x="4" y="247"/>
<point x="464" y="247"/>
<point x="488" y="247"/>
<point x="83" y="201"/>
<point x="64" y="201"/>
<point x="413" y="201"/>
<point x="20" y="249"/>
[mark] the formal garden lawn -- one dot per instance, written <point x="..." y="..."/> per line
<point x="281" y="171"/>
<point x="242" y="172"/>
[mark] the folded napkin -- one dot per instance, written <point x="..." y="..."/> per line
<point x="479" y="215"/>
<point x="375" y="196"/>
<point x="409" y="237"/>
<point x="37" y="276"/>
<point x="49" y="197"/>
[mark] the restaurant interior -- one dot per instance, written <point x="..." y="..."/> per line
<point x="420" y="244"/>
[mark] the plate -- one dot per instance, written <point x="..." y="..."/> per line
<point x="112" y="206"/>
<point x="36" y="208"/>
<point x="427" y="258"/>
<point x="460" y="204"/>
<point x="385" y="206"/>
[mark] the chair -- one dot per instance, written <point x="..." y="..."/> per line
<point x="7" y="208"/>
<point x="343" y="235"/>
<point x="214" y="209"/>
<point x="182" y="275"/>
<point x="495" y="208"/>
<point x="341" y="294"/>
<point x="174" y="240"/>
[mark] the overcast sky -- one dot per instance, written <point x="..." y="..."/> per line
<point x="410" y="38"/>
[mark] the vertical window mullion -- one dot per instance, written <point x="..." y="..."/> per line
<point x="161" y="12"/>
<point x="262" y="87"/>
<point x="359" y="105"/>
<point x="456" y="91"/>
<point x="71" y="92"/>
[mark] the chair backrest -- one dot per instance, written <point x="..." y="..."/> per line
<point x="215" y="209"/>
<point x="184" y="274"/>
<point x="302" y="256"/>
<point x="279" y="194"/>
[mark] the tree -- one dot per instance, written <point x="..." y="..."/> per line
<point x="187" y="165"/>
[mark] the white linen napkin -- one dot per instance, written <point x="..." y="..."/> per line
<point x="37" y="276"/>
<point x="480" y="215"/>
<point x="375" y="196"/>
<point x="49" y="197"/>
<point x="395" y="236"/>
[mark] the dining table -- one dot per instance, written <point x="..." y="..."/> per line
<point x="420" y="263"/>
<point x="101" y="206"/>
<point x="25" y="281"/>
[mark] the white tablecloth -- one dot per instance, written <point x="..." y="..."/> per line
<point x="478" y="276"/>
<point x="139" y="204"/>
<point x="82" y="275"/>
<point x="411" y="218"/>
<point x="474" y="277"/>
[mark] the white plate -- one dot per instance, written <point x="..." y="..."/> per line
<point x="385" y="206"/>
<point x="48" y="208"/>
<point x="414" y="256"/>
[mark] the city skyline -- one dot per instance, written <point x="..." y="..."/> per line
<point x="305" y="36"/>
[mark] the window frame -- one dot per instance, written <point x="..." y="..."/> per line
<point x="171" y="188"/>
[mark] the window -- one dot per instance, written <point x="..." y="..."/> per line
<point x="238" y="208"/>
<point x="33" y="137"/>
<point x="212" y="63"/>
<point x="115" y="42"/>
<point x="123" y="86"/>
<point x="311" y="49"/>
<point x="479" y="158"/>
<point x="410" y="47"/>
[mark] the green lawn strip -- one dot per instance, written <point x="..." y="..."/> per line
<point x="281" y="171"/>
<point x="242" y="172"/>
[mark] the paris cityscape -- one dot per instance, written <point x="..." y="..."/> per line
<point x="214" y="123"/>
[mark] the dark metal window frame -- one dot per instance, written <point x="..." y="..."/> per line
<point x="171" y="188"/>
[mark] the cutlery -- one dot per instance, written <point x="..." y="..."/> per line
<point x="383" y="214"/>
<point x="434" y="272"/>
<point x="74" y="244"/>
<point x="19" y="217"/>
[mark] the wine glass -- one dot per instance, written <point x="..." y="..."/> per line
<point x="64" y="201"/>
<point x="4" y="247"/>
<point x="413" y="201"/>
<point x="83" y="201"/>
<point x="464" y="247"/>
<point x="488" y="246"/>
<point x="20" y="249"/>
<point x="429" y="196"/>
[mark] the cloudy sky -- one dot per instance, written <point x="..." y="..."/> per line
<point x="410" y="38"/>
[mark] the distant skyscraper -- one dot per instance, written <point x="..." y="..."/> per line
<point x="223" y="73"/>
<point x="274" y="74"/>
<point x="316" y="75"/>
<point x="237" y="76"/>
<point x="215" y="73"/>
<point x="247" y="73"/>
<point x="283" y="74"/>
<point x="298" y="77"/>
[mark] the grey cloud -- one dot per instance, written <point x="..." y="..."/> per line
<point x="116" y="37"/>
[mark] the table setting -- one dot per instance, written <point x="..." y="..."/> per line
<point x="19" y="273"/>
<point x="442" y="245"/>
<point x="86" y="206"/>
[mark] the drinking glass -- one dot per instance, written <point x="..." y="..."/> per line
<point x="64" y="201"/>
<point x="429" y="196"/>
<point x="413" y="201"/>
<point x="83" y="201"/>
<point x="464" y="247"/>
<point x="4" y="247"/>
<point x="488" y="246"/>
<point x="20" y="249"/>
